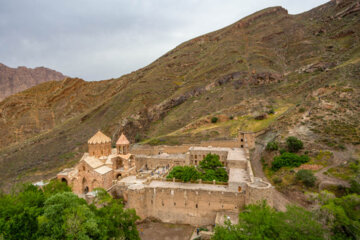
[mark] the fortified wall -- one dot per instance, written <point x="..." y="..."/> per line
<point x="191" y="203"/>
<point x="138" y="175"/>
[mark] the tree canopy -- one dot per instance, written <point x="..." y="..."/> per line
<point x="210" y="168"/>
<point x="56" y="213"/>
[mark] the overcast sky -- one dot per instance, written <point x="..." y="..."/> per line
<point x="102" y="39"/>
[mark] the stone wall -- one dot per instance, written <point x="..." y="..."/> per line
<point x="88" y="179"/>
<point x="155" y="161"/>
<point x="258" y="191"/>
<point x="154" y="150"/>
<point x="183" y="206"/>
<point x="99" y="150"/>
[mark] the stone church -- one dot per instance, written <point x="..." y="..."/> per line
<point x="101" y="165"/>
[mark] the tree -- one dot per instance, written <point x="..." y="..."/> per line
<point x="342" y="216"/>
<point x="306" y="176"/>
<point x="288" y="160"/>
<point x="214" y="119"/>
<point x="259" y="221"/>
<point x="56" y="186"/>
<point x="211" y="161"/>
<point x="272" y="146"/>
<point x="294" y="144"/>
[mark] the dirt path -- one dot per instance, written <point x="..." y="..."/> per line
<point x="324" y="180"/>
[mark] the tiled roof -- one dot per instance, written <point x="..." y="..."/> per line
<point x="99" y="137"/>
<point x="122" y="140"/>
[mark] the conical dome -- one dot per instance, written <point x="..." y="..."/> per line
<point x="99" y="138"/>
<point x="122" y="140"/>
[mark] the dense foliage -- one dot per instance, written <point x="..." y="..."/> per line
<point x="210" y="168"/>
<point x="287" y="159"/>
<point x="262" y="222"/>
<point x="335" y="218"/>
<point x="56" y="213"/>
<point x="306" y="177"/>
<point x="272" y="146"/>
<point x="294" y="144"/>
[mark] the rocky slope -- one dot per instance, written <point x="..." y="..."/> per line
<point x="14" y="80"/>
<point x="304" y="67"/>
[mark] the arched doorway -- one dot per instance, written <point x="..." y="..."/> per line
<point x="64" y="180"/>
<point x="85" y="186"/>
<point x="118" y="176"/>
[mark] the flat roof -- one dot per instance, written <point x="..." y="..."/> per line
<point x="93" y="161"/>
<point x="163" y="156"/>
<point x="190" y="186"/>
<point x="236" y="155"/>
<point x="102" y="170"/>
<point x="238" y="175"/>
<point x="210" y="149"/>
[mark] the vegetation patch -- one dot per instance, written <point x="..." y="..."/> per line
<point x="288" y="160"/>
<point x="210" y="168"/>
<point x="54" y="212"/>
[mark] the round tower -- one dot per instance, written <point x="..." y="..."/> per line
<point x="99" y="145"/>
<point x="123" y="145"/>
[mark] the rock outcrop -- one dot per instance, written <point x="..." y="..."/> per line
<point x="14" y="80"/>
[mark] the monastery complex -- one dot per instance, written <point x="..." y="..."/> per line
<point x="138" y="175"/>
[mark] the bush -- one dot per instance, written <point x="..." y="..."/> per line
<point x="210" y="169"/>
<point x="214" y="119"/>
<point x="294" y="144"/>
<point x="271" y="111"/>
<point x="288" y="160"/>
<point x="306" y="177"/>
<point x="277" y="180"/>
<point x="186" y="173"/>
<point x="282" y="150"/>
<point x="272" y="146"/>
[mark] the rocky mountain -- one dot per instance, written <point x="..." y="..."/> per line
<point x="271" y="71"/>
<point x="14" y="80"/>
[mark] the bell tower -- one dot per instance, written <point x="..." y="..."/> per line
<point x="123" y="145"/>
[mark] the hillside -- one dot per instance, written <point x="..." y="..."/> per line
<point x="305" y="67"/>
<point x="14" y="80"/>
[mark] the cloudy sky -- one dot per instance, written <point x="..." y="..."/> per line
<point x="102" y="39"/>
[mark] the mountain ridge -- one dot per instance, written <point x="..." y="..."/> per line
<point x="14" y="80"/>
<point x="268" y="60"/>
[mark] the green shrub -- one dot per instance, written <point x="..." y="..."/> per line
<point x="277" y="180"/>
<point x="306" y="177"/>
<point x="272" y="146"/>
<point x="288" y="160"/>
<point x="271" y="111"/>
<point x="214" y="119"/>
<point x="186" y="173"/>
<point x="211" y="161"/>
<point x="282" y="150"/>
<point x="210" y="169"/>
<point x="294" y="144"/>
<point x="231" y="117"/>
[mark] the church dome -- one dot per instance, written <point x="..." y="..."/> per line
<point x="99" y="138"/>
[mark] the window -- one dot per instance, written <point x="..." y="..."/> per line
<point x="242" y="140"/>
<point x="242" y="146"/>
<point x="174" y="203"/>
<point x="196" y="205"/>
